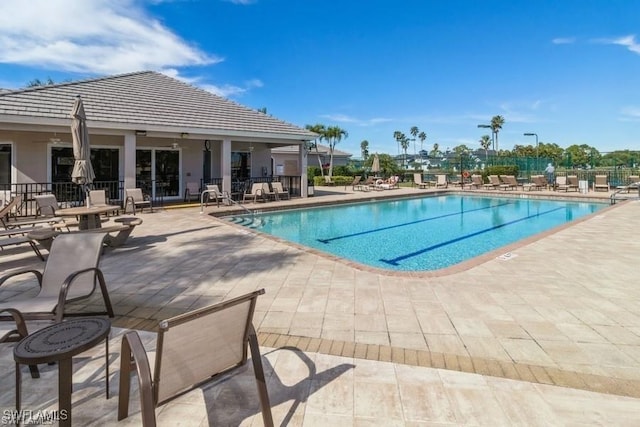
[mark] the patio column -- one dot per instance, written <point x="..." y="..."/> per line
<point x="225" y="166"/>
<point x="130" y="160"/>
<point x="302" y="161"/>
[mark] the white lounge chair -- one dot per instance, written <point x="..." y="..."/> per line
<point x="136" y="199"/>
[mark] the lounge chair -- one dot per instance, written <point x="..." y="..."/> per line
<point x="70" y="274"/>
<point x="256" y="191"/>
<point x="328" y="181"/>
<point x="212" y="193"/>
<point x="191" y="191"/>
<point x="567" y="183"/>
<point x="601" y="183"/>
<point x="508" y="182"/>
<point x="632" y="182"/>
<point x="192" y="349"/>
<point x="441" y="181"/>
<point x="535" y="184"/>
<point x="476" y="181"/>
<point x="494" y="183"/>
<point x="136" y="199"/>
<point x="281" y="192"/>
<point x="417" y="180"/>
<point x="12" y="206"/>
<point x="354" y="183"/>
<point x="10" y="334"/>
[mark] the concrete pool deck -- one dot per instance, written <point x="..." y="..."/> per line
<point x="553" y="330"/>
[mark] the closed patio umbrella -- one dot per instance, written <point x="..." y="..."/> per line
<point x="375" y="165"/>
<point x="82" y="170"/>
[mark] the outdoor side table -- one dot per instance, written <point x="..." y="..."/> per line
<point x="59" y="343"/>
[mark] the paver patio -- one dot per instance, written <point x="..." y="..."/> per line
<point x="560" y="311"/>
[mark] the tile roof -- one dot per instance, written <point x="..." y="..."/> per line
<point x="143" y="100"/>
<point x="322" y="149"/>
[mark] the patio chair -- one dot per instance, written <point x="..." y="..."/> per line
<point x="99" y="198"/>
<point x="47" y="205"/>
<point x="16" y="334"/>
<point x="280" y="191"/>
<point x="535" y="184"/>
<point x="212" y="193"/>
<point x="601" y="183"/>
<point x="476" y="181"/>
<point x="354" y="183"/>
<point x="417" y="180"/>
<point x="136" y="199"/>
<point x="566" y="184"/>
<point x="267" y="192"/>
<point x="508" y="182"/>
<point x="256" y="191"/>
<point x="441" y="181"/>
<point x="632" y="182"/>
<point x="191" y="190"/>
<point x="70" y="274"/>
<point x="192" y="349"/>
<point x="494" y="183"/>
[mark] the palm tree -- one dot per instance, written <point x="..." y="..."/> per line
<point x="496" y="125"/>
<point x="364" y="148"/>
<point x="436" y="150"/>
<point x="422" y="136"/>
<point x="414" y="133"/>
<point x="334" y="135"/>
<point x="404" y="143"/>
<point x="485" y="143"/>
<point x="397" y="135"/>
<point x="321" y="130"/>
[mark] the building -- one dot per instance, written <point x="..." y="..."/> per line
<point x="285" y="156"/>
<point x="146" y="130"/>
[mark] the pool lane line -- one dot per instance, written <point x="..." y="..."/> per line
<point x="410" y="223"/>
<point x="396" y="261"/>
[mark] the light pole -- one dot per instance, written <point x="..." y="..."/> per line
<point x="493" y="144"/>
<point x="537" y="155"/>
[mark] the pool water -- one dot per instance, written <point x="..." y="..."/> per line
<point x="418" y="234"/>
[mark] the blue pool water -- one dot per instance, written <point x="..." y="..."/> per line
<point x="418" y="234"/>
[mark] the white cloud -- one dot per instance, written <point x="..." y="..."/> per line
<point x="343" y="118"/>
<point x="229" y="90"/>
<point x="97" y="37"/>
<point x="630" y="114"/>
<point x="564" y="40"/>
<point x="242" y="2"/>
<point x="629" y="42"/>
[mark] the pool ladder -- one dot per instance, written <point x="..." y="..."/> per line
<point x="225" y="197"/>
<point x="628" y="188"/>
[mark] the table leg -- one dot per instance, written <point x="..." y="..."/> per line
<point x="18" y="388"/>
<point x="106" y="364"/>
<point x="65" y="383"/>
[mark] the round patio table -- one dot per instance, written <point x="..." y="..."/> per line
<point x="88" y="217"/>
<point x="59" y="343"/>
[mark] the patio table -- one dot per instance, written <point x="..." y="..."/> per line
<point x="88" y="217"/>
<point x="59" y="343"/>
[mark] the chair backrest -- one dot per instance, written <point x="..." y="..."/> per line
<point x="47" y="204"/>
<point x="572" y="180"/>
<point x="98" y="197"/>
<point x="601" y="179"/>
<point x="265" y="188"/>
<point x="356" y="179"/>
<point x="277" y="187"/>
<point x="213" y="187"/>
<point x="417" y="178"/>
<point x="6" y="210"/>
<point x="632" y="179"/>
<point x="494" y="179"/>
<point x="72" y="252"/>
<point x="256" y="188"/>
<point x="195" y="346"/>
<point x="135" y="194"/>
<point x="193" y="187"/>
<point x="441" y="179"/>
<point x="510" y="179"/>
<point x="561" y="180"/>
<point x="476" y="179"/>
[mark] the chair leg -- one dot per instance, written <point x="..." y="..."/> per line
<point x="256" y="358"/>
<point x="133" y="355"/>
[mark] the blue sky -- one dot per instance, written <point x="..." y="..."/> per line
<point x="567" y="70"/>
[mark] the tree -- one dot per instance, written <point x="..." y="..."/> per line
<point x="321" y="131"/>
<point x="422" y="136"/>
<point x="436" y="150"/>
<point x="262" y="110"/>
<point x="334" y="135"/>
<point x="364" y="149"/>
<point x="496" y="124"/>
<point x="397" y="135"/>
<point x="388" y="166"/>
<point x="581" y="155"/>
<point x="404" y="143"/>
<point x="485" y="143"/>
<point x="414" y="131"/>
<point x="38" y="82"/>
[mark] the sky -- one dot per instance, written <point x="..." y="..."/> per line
<point x="567" y="70"/>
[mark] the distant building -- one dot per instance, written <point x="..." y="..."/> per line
<point x="282" y="157"/>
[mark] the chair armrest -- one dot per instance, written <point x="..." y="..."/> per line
<point x="37" y="273"/>
<point x="134" y="356"/>
<point x="21" y="326"/>
<point x="64" y="289"/>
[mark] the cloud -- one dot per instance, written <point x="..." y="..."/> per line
<point x="629" y="42"/>
<point x="96" y="37"/>
<point x="242" y="2"/>
<point x="229" y="90"/>
<point x="343" y="118"/>
<point x="630" y="114"/>
<point x="564" y="40"/>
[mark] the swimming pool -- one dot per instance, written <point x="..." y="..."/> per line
<point x="418" y="234"/>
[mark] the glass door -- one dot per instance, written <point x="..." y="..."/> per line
<point x="158" y="172"/>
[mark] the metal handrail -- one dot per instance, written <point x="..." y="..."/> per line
<point x="225" y="196"/>
<point x="626" y="188"/>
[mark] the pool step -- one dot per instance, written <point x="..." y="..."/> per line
<point x="248" y="222"/>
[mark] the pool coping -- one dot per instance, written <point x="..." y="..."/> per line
<point x="503" y="251"/>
